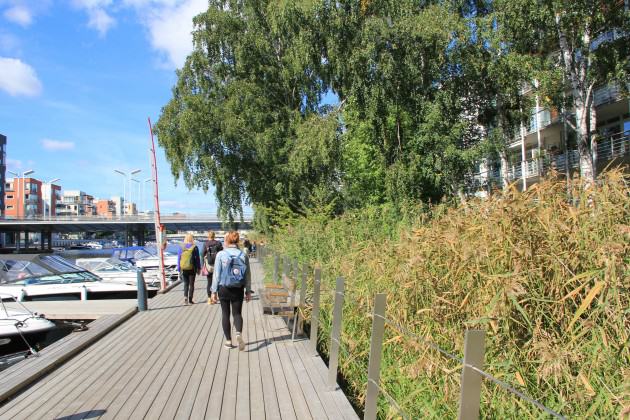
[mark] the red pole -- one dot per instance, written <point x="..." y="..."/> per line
<point x="156" y="197"/>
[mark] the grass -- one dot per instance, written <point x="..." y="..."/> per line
<point x="547" y="279"/>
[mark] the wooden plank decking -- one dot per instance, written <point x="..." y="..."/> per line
<point x="170" y="363"/>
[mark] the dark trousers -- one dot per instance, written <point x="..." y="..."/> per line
<point x="231" y="298"/>
<point x="188" y="277"/>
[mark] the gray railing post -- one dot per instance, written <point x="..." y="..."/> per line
<point x="276" y="267"/>
<point x="470" y="394"/>
<point x="376" y="352"/>
<point x="293" y="284"/>
<point x="297" y="324"/>
<point x="335" y="335"/>
<point x="142" y="290"/>
<point x="317" y="283"/>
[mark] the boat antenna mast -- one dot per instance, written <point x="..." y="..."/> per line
<point x="159" y="241"/>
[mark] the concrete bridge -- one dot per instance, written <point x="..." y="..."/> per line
<point x="133" y="226"/>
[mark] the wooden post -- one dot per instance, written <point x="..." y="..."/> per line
<point x="470" y="395"/>
<point x="317" y="282"/>
<point x="376" y="351"/>
<point x="335" y="336"/>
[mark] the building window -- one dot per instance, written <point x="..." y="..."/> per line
<point x="9" y="196"/>
<point x="9" y="207"/>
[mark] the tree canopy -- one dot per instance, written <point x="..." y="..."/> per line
<point x="423" y="89"/>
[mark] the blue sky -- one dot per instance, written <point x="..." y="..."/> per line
<point x="78" y="79"/>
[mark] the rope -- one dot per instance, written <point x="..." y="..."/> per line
<point x="486" y="375"/>
<point x="391" y="400"/>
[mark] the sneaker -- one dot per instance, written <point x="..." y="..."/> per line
<point x="228" y="344"/>
<point x="241" y="343"/>
<point x="185" y="301"/>
<point x="191" y="301"/>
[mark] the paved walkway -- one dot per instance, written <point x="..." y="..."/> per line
<point x="170" y="363"/>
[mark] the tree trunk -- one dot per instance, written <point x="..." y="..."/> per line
<point x="583" y="142"/>
<point x="505" y="181"/>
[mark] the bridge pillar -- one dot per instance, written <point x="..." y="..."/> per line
<point x="18" y="239"/>
<point x="41" y="240"/>
<point x="49" y="239"/>
<point x="141" y="236"/>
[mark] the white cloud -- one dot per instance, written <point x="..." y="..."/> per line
<point x="14" y="164"/>
<point x="18" y="78"/>
<point x="19" y="14"/>
<point x="170" y="28"/>
<point x="55" y="145"/>
<point x="98" y="17"/>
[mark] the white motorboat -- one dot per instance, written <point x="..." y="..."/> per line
<point x="19" y="327"/>
<point x="51" y="277"/>
<point x="113" y="270"/>
<point x="148" y="259"/>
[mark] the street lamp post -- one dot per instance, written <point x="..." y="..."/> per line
<point x="131" y="174"/>
<point x="123" y="198"/>
<point x="137" y="182"/>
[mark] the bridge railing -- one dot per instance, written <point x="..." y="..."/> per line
<point x="471" y="364"/>
<point x="149" y="218"/>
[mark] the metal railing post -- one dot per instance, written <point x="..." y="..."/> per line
<point x="317" y="282"/>
<point x="293" y="279"/>
<point x="335" y="335"/>
<point x="470" y="394"/>
<point x="376" y="352"/>
<point x="276" y="267"/>
<point x="297" y="324"/>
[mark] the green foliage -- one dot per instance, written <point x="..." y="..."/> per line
<point x="546" y="280"/>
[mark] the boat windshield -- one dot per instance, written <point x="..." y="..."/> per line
<point x="19" y="269"/>
<point x="81" y="277"/>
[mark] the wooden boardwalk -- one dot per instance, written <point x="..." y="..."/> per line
<point x="170" y="363"/>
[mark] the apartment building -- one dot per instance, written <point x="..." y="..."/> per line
<point x="51" y="196"/>
<point x="23" y="197"/>
<point x="3" y="171"/>
<point x="105" y="208"/>
<point x="76" y="203"/>
<point x="549" y="143"/>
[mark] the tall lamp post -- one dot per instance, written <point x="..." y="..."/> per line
<point x="50" y="185"/>
<point x="144" y="206"/>
<point x="122" y="200"/>
<point x="131" y="174"/>
<point x="137" y="182"/>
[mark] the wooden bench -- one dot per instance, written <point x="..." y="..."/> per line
<point x="280" y="299"/>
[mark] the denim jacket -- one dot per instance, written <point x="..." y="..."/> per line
<point x="222" y="259"/>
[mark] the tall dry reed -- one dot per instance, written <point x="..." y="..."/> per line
<point x="548" y="278"/>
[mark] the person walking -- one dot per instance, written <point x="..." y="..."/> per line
<point x="188" y="265"/>
<point x="231" y="282"/>
<point x="209" y="255"/>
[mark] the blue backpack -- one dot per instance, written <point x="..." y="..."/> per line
<point x="233" y="274"/>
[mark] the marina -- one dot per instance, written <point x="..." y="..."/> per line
<point x="169" y="362"/>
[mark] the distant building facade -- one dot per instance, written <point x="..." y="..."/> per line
<point x="51" y="196"/>
<point x="105" y="208"/>
<point x="76" y="203"/>
<point x="3" y="171"/>
<point x="23" y="197"/>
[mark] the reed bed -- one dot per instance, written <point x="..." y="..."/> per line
<point x="548" y="278"/>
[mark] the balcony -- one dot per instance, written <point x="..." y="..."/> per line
<point x="606" y="95"/>
<point x="612" y="147"/>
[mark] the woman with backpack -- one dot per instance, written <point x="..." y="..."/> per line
<point x="210" y="250"/>
<point x="231" y="282"/>
<point x="188" y="265"/>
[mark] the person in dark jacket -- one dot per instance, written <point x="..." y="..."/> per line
<point x="210" y="250"/>
<point x="188" y="265"/>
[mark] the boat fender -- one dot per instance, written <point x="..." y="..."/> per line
<point x="22" y="296"/>
<point x="84" y="293"/>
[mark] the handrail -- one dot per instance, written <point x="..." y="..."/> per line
<point x="467" y="363"/>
